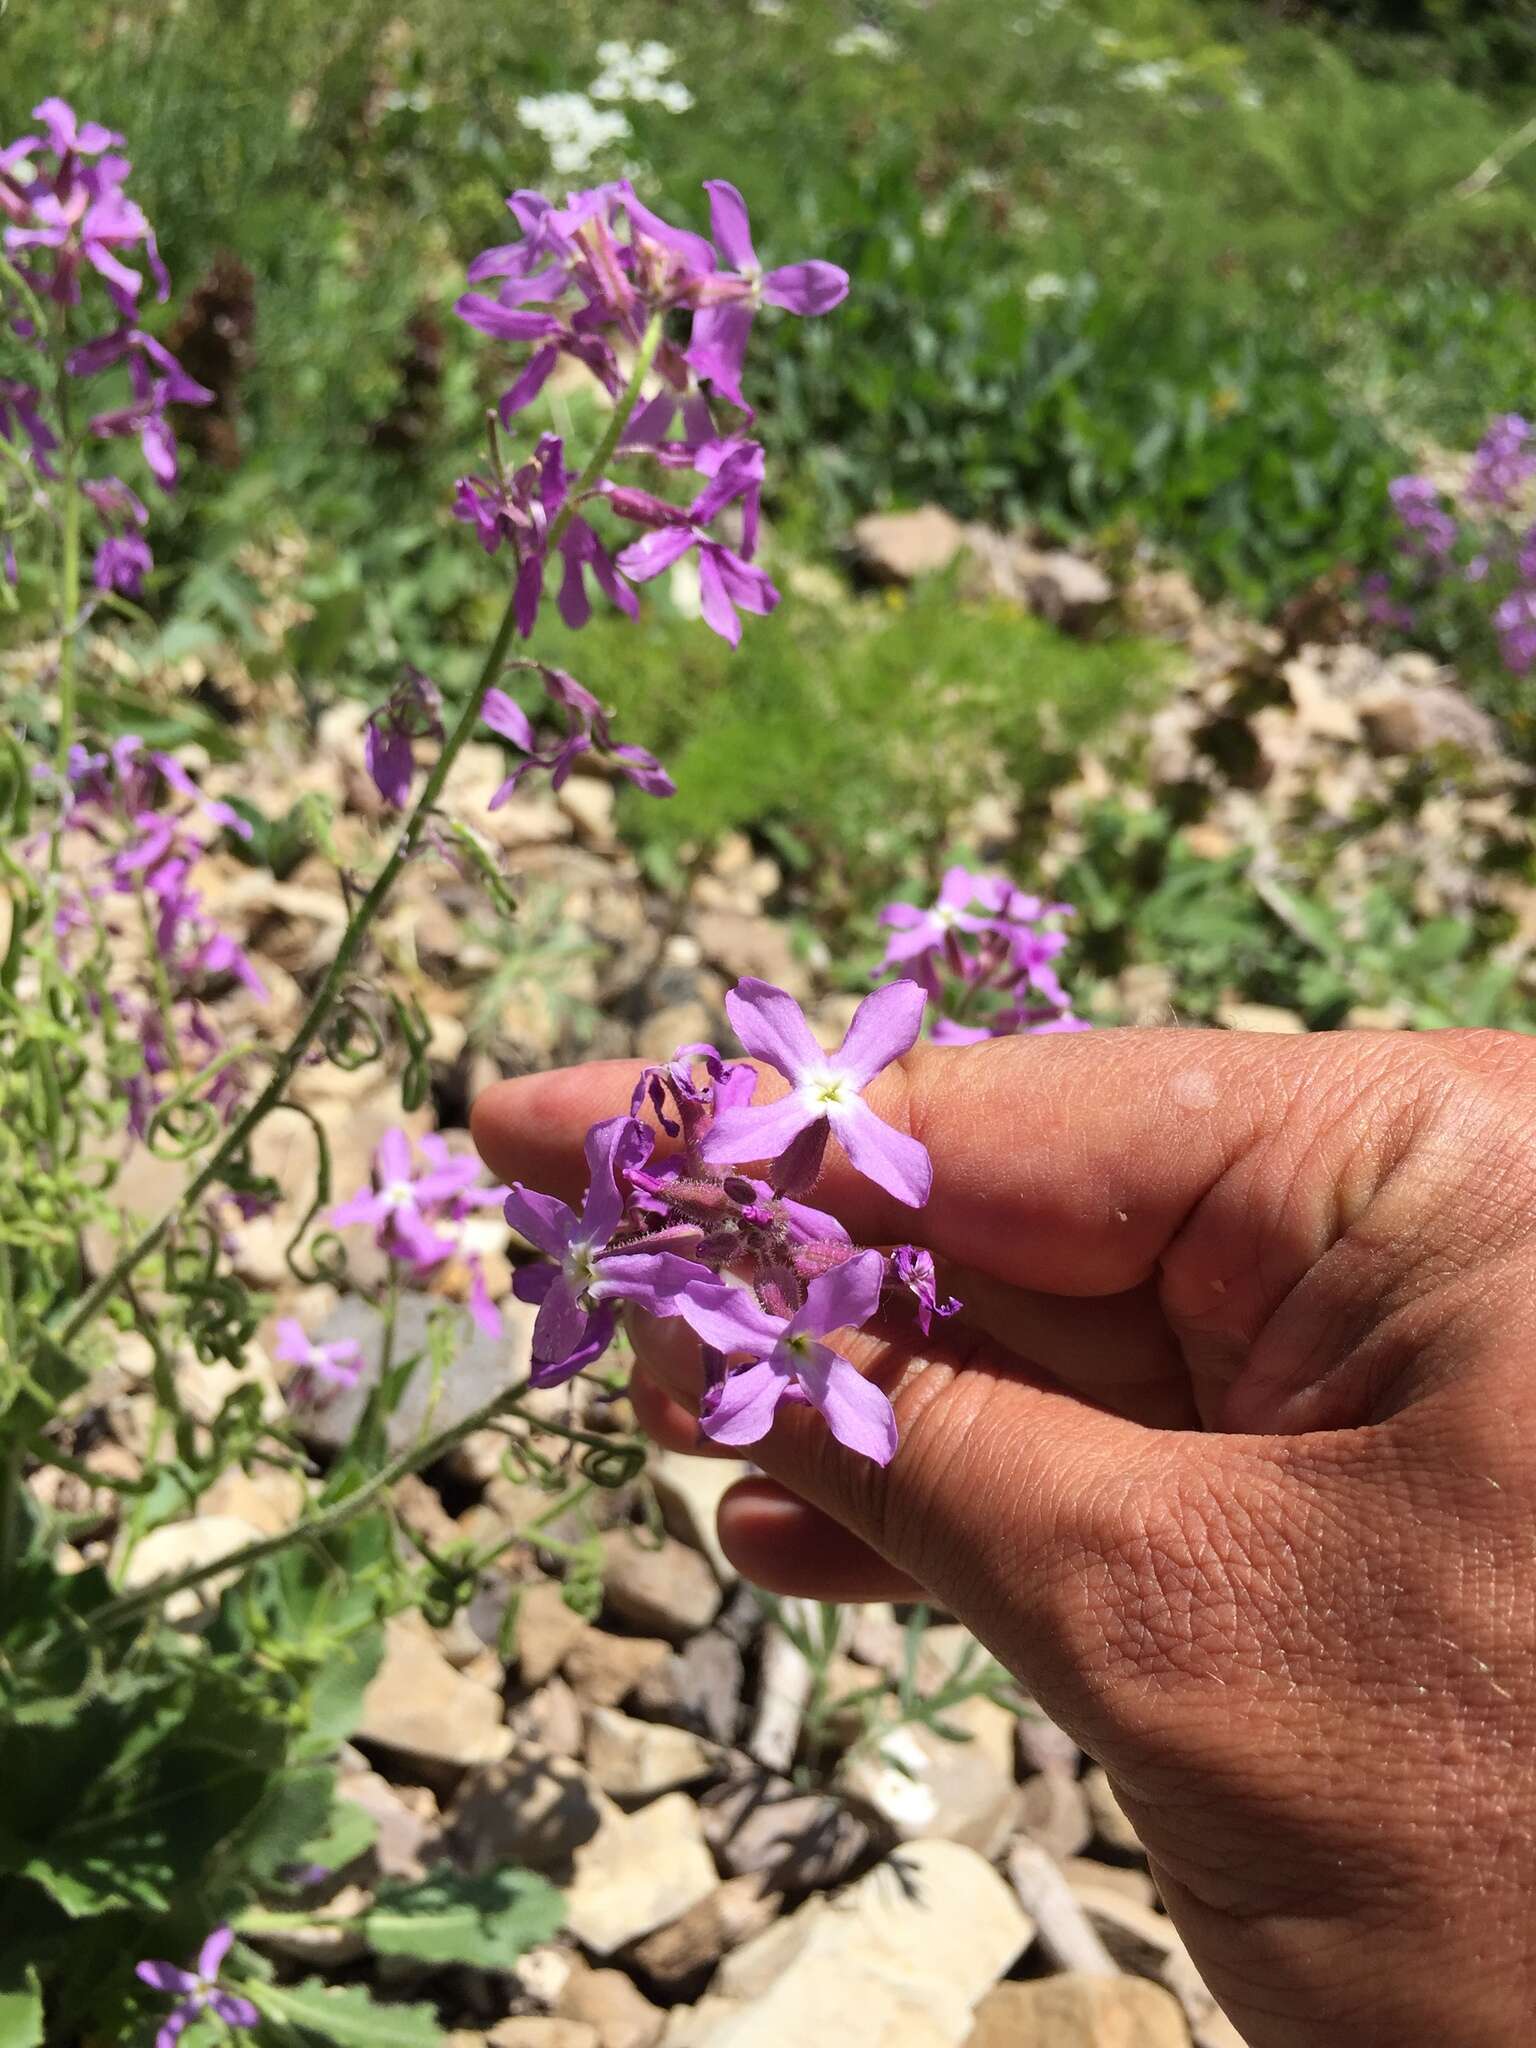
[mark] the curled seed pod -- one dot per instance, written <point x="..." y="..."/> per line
<point x="352" y="1037"/>
<point x="181" y="1126"/>
<point x="327" y="1259"/>
<point x="612" y="1465"/>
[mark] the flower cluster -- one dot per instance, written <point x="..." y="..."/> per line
<point x="68" y="219"/>
<point x="418" y="1206"/>
<point x="590" y="281"/>
<point x="1472" y="550"/>
<point x="984" y="953"/>
<point x="705" y="1217"/>
<point x="144" y="825"/>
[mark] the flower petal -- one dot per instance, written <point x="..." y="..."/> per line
<point x="652" y="1280"/>
<point x="730" y="225"/>
<point x="758" y="1131"/>
<point x="560" y="1326"/>
<point x="885" y="1025"/>
<point x="532" y="1283"/>
<point x="612" y="1146"/>
<point x="855" y="1410"/>
<point x="543" y="1219"/>
<point x="891" y="1160"/>
<point x="599" y="1335"/>
<point x="729" y="1318"/>
<point x="234" y="2011"/>
<point x="506" y="323"/>
<point x="715" y="607"/>
<point x="843" y="1299"/>
<point x="743" y="1408"/>
<point x="812" y="288"/>
<point x="772" y="1027"/>
<point x="165" y="1977"/>
<point x="655" y="551"/>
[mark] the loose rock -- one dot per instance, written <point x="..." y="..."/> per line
<point x="420" y="1706"/>
<point x="608" y="2002"/>
<point x="733" y="1913"/>
<point x="667" y="1588"/>
<point x="546" y="1630"/>
<point x="1053" y="1811"/>
<point x="1079" y="2012"/>
<point x="898" y="547"/>
<point x="698" y="1687"/>
<point x="635" y="1760"/>
<point x="1110" y="1823"/>
<point x="637" y="1873"/>
<point x="535" y="1809"/>
<point x="796" y="1840"/>
<point x="603" y="1669"/>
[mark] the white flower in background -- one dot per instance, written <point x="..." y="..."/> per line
<point x="639" y="73"/>
<point x="770" y="10"/>
<point x="865" y="41"/>
<point x="1155" y="76"/>
<point x="575" y="130"/>
<point x="1046" y="284"/>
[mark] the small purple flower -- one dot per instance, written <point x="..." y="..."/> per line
<point x="723" y="325"/>
<point x="826" y="1088"/>
<point x="122" y="561"/>
<point x="413" y="711"/>
<point x="1429" y="531"/>
<point x="912" y="1268"/>
<point x="522" y="511"/>
<point x="587" y="731"/>
<point x="323" y="1369"/>
<point x="578" y="1295"/>
<point x="788" y="1360"/>
<point x="1515" y="623"/>
<point x="197" y="1990"/>
<point x="727" y="580"/>
<point x="1503" y="463"/>
<point x="403" y="1203"/>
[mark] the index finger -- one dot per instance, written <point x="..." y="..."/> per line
<point x="1065" y="1163"/>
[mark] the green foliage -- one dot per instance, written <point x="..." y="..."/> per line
<point x="486" y="1922"/>
<point x="343" y="2017"/>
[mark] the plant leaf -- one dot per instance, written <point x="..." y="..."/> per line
<point x="345" y="2018"/>
<point x="486" y="1921"/>
<point x="21" y="2008"/>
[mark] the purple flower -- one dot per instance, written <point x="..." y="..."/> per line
<point x="723" y="325"/>
<point x="912" y="1268"/>
<point x="122" y="561"/>
<point x="826" y="1088"/>
<point x="587" y="731"/>
<point x="404" y="1203"/>
<point x="414" y="711"/>
<point x="197" y="1990"/>
<point x="20" y="414"/>
<point x="578" y="1295"/>
<point x="788" y="1360"/>
<point x="1515" y="623"/>
<point x="522" y="510"/>
<point x="1503" y="464"/>
<point x="1429" y="531"/>
<point x="726" y="579"/>
<point x="322" y="1368"/>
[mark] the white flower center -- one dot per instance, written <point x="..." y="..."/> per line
<point x="580" y="1266"/>
<point x="826" y="1090"/>
<point x="398" y="1194"/>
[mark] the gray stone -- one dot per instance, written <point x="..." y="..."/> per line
<point x="549" y="1719"/>
<point x="689" y="1491"/>
<point x="546" y="1629"/>
<point x="604" y="1669"/>
<point x="733" y="1913"/>
<point x="698" y="1687"/>
<point x="923" y="1787"/>
<point x="665" y="1588"/>
<point x="409" y="1830"/>
<point x="797" y="1840"/>
<point x="481" y="1367"/>
<point x="1053" y="1811"/>
<point x="534" y="1809"/>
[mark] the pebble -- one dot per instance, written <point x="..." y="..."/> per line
<point x="636" y="1760"/>
<point x="607" y="2001"/>
<point x="797" y="1840"/>
<point x="418" y="1705"/>
<point x="637" y="1873"/>
<point x="733" y="1913"/>
<point x="689" y="1492"/>
<point x="665" y="1588"/>
<point x="178" y="1547"/>
<point x="409" y="1830"/>
<point x="535" y="1809"/>
<point x="1053" y="1811"/>
<point x="1110" y="1823"/>
<point x="549" y="1719"/>
<point x="543" y="2033"/>
<point x="546" y="1630"/>
<point x="1079" y="2012"/>
<point x="603" y="1669"/>
<point x="698" y="1687"/>
<point x="923" y="1786"/>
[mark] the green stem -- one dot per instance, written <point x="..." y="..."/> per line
<point x="11" y="1459"/>
<point x="618" y="420"/>
<point x="96" y="1297"/>
<point x="127" y="1605"/>
<point x="69" y="566"/>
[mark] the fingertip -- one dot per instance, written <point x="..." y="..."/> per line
<point x="790" y="1548"/>
<point x="532" y="1128"/>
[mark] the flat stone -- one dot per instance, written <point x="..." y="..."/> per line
<point x="534" y="2032"/>
<point x="1087" y="1872"/>
<point x="409" y="1830"/>
<point x="699" y="1687"/>
<point x="898" y="547"/>
<point x="636" y="1760"/>
<point x="1140" y="1940"/>
<point x="1079" y="2012"/>
<point x="479" y="1367"/>
<point x="733" y="1913"/>
<point x="689" y="1491"/>
<point x="1053" y="1811"/>
<point x="1110" y="1822"/>
<point x="270" y="1498"/>
<point x="896" y="1961"/>
<point x="637" y="1873"/>
<point x="924" y="1787"/>
<point x="546" y="1630"/>
<point x="533" y="1809"/>
<point x="796" y="1840"/>
<point x="604" y="1669"/>
<point x="418" y="1705"/>
<point x="741" y="943"/>
<point x="607" y="2001"/>
<point x="182" y="1546"/>
<point x="549" y="1719"/>
<point x="665" y="1588"/>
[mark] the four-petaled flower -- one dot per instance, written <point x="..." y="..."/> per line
<point x="579" y="1294"/>
<point x="826" y="1089"/>
<point x="726" y="579"/>
<point x="323" y="1369"/>
<point x="197" y="1990"/>
<point x="728" y="303"/>
<point x="789" y="1362"/>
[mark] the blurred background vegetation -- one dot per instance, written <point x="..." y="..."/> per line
<point x="1189" y="276"/>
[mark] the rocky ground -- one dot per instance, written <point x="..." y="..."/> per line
<point x="749" y="1857"/>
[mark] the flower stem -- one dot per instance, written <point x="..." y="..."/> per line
<point x="97" y="1296"/>
<point x="69" y="566"/>
<point x="618" y="420"/>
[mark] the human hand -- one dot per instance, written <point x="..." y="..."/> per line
<point x="1231" y="1459"/>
